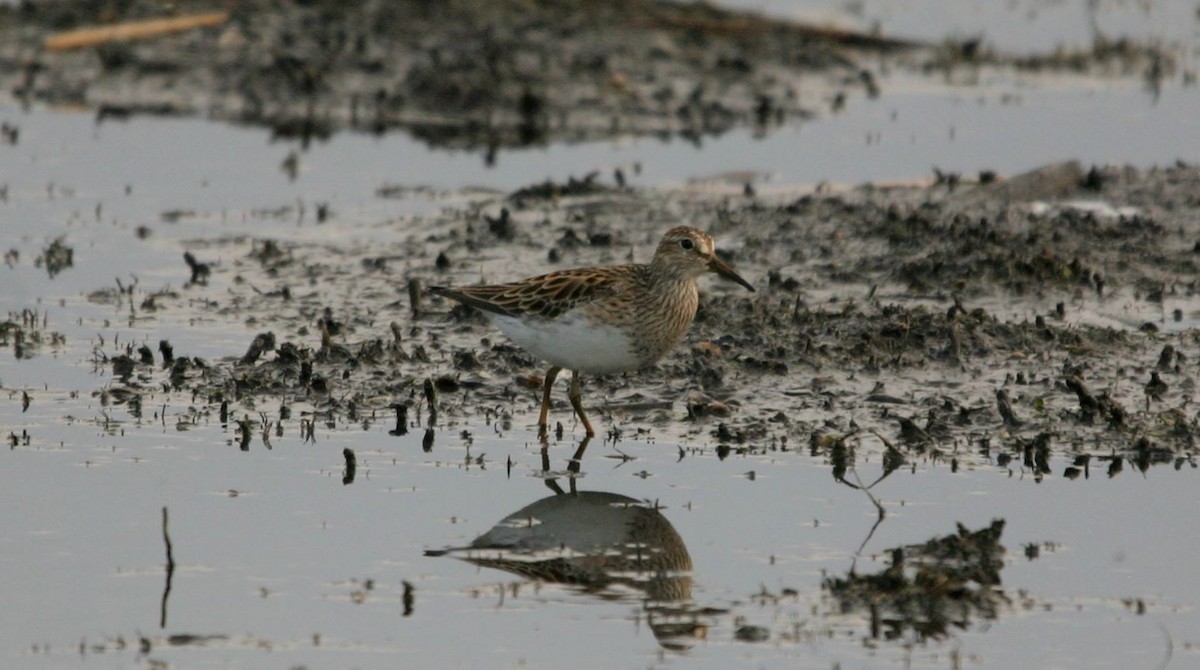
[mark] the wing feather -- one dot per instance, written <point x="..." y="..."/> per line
<point x="547" y="295"/>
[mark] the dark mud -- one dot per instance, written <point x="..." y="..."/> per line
<point x="962" y="325"/>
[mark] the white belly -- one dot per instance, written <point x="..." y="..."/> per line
<point x="571" y="341"/>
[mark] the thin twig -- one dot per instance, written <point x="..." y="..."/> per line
<point x="162" y="619"/>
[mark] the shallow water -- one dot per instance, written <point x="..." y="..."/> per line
<point x="273" y="552"/>
<point x="284" y="565"/>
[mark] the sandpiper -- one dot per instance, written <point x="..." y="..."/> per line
<point x="601" y="320"/>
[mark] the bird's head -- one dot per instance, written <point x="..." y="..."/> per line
<point x="688" y="252"/>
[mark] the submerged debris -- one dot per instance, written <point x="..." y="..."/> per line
<point x="56" y="257"/>
<point x="200" y="271"/>
<point x="930" y="589"/>
<point x="351" y="468"/>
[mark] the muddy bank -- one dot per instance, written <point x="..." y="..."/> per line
<point x="483" y="75"/>
<point x="477" y="74"/>
<point x="1042" y="324"/>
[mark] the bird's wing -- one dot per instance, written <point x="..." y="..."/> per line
<point x="546" y="296"/>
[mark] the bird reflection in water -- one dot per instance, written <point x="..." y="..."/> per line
<point x="604" y="544"/>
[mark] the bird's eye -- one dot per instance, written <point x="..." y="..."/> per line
<point x="687" y="245"/>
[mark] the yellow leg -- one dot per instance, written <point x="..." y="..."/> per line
<point x="576" y="395"/>
<point x="577" y="460"/>
<point x="547" y="385"/>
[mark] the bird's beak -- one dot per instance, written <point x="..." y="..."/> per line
<point x="726" y="270"/>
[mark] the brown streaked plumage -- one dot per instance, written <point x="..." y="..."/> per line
<point x="601" y="320"/>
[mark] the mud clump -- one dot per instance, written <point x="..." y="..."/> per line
<point x="56" y="257"/>
<point x="587" y="185"/>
